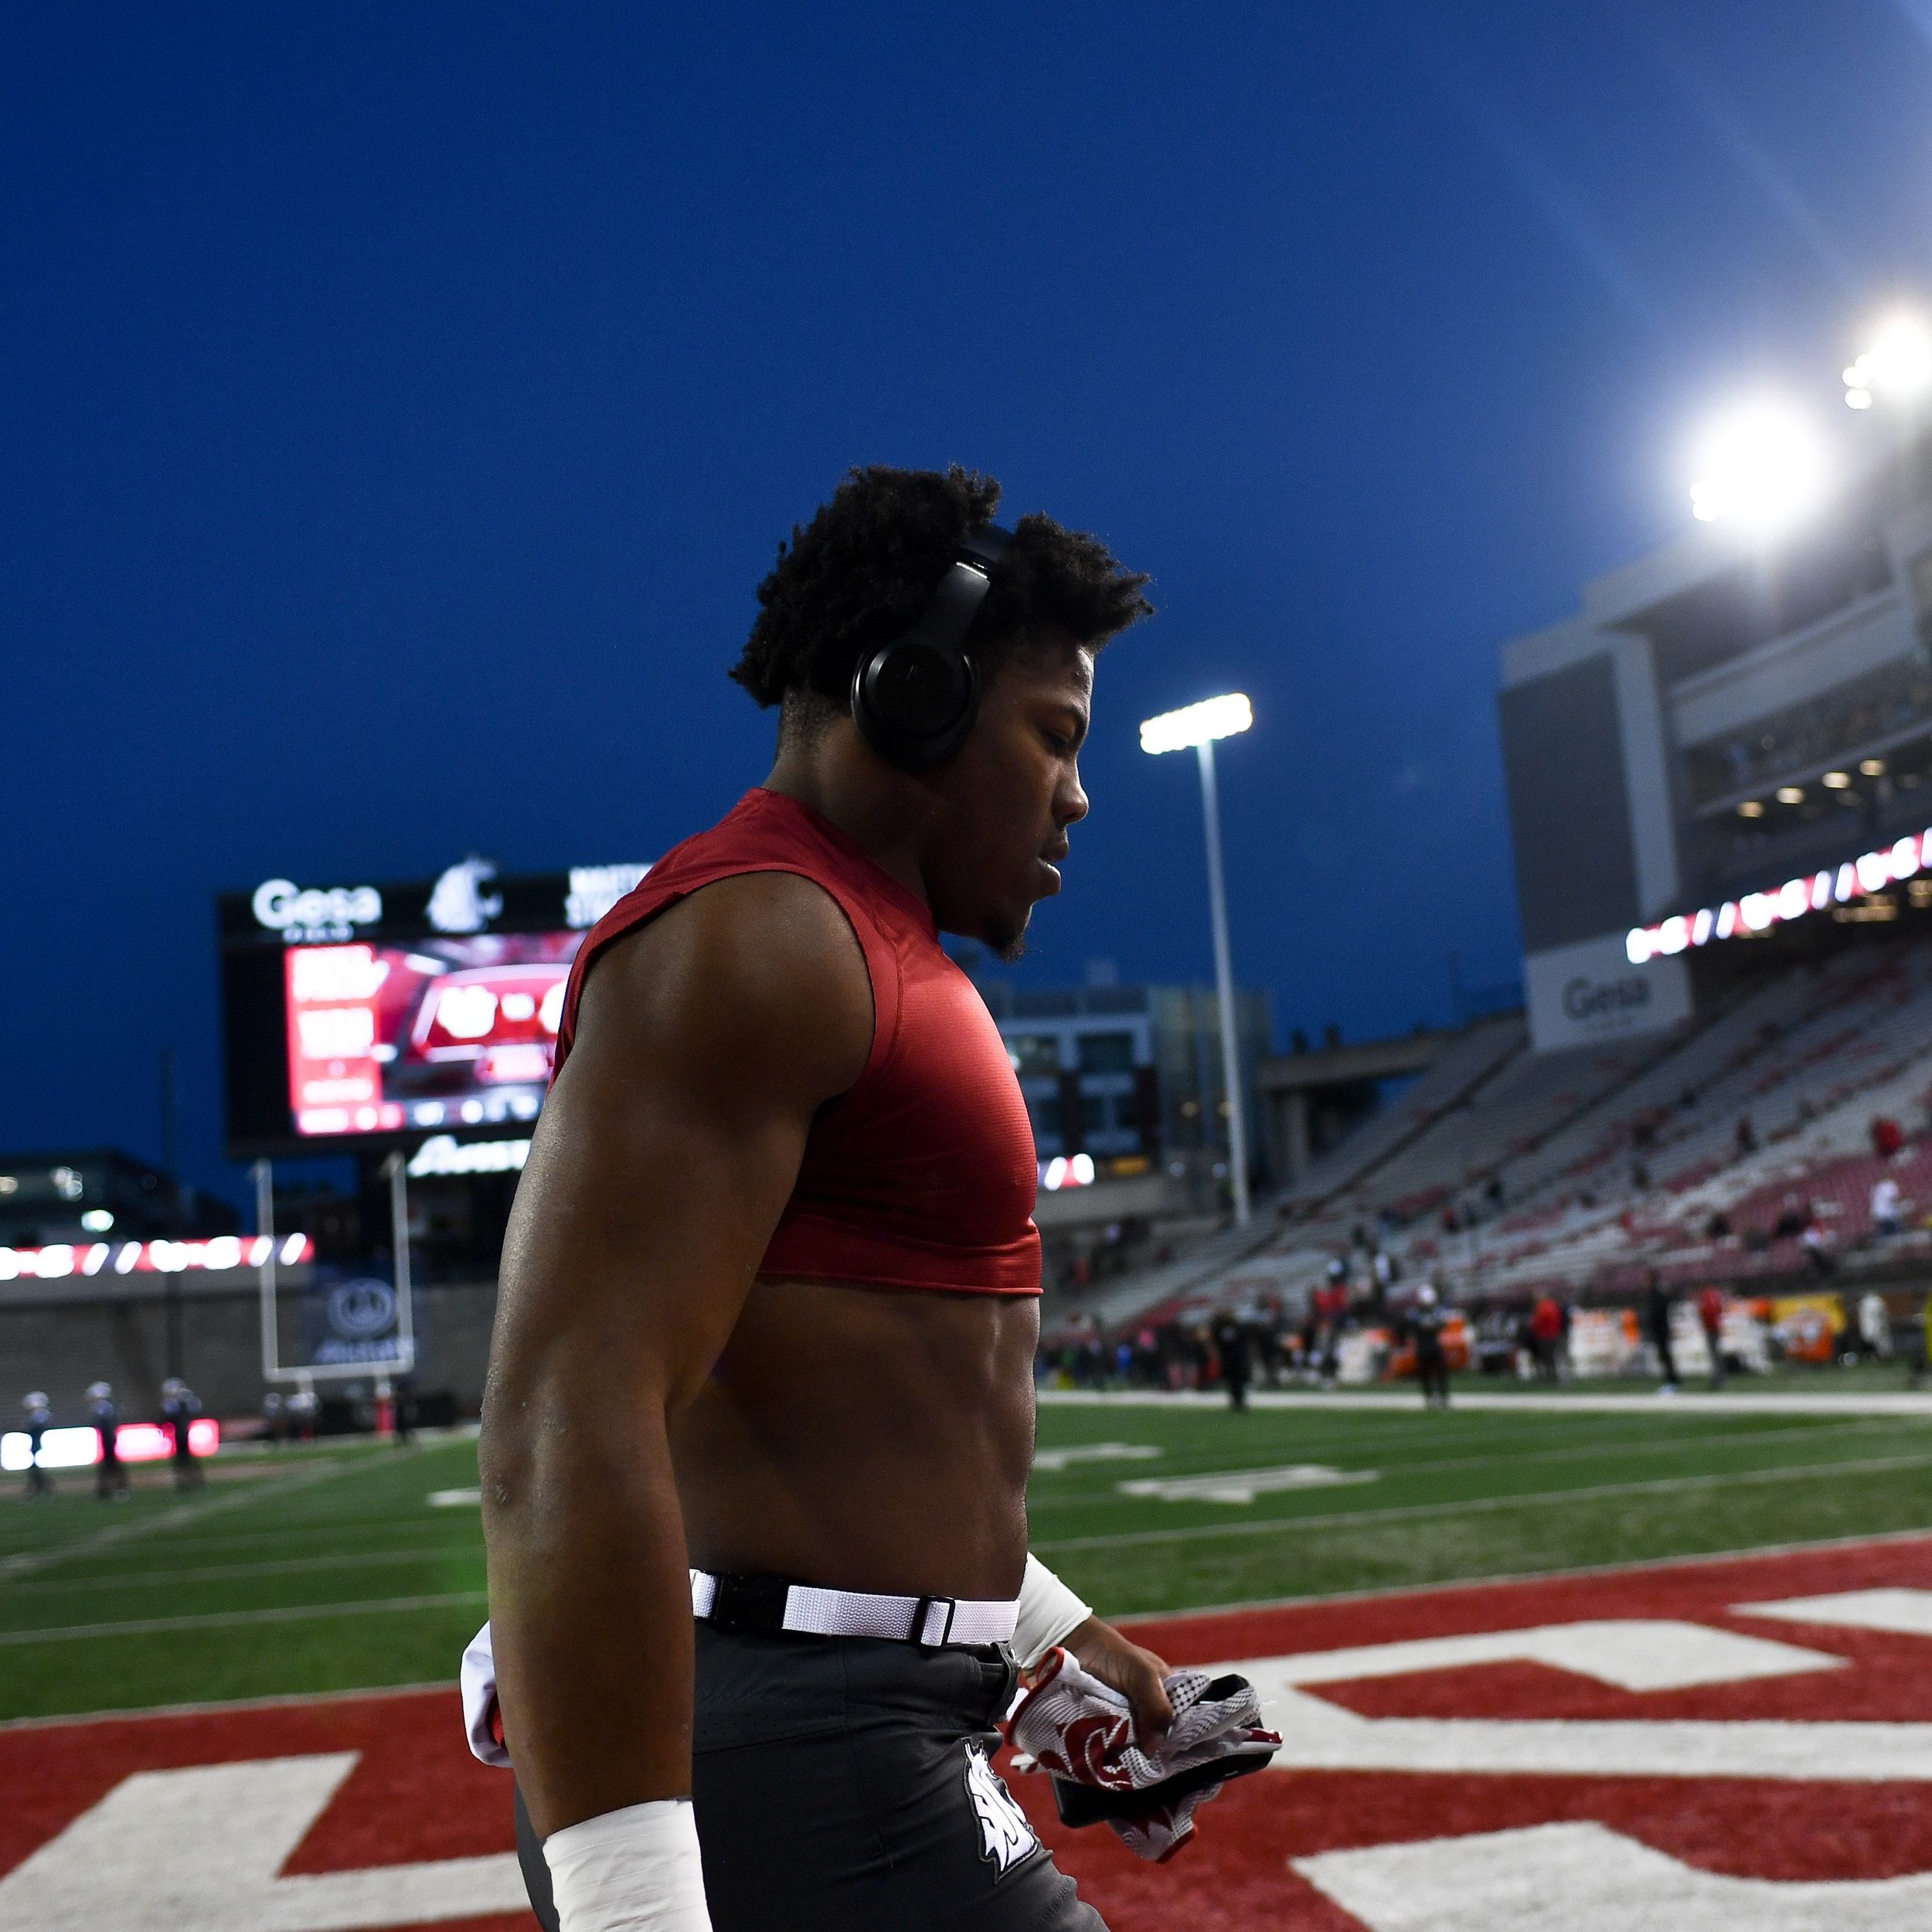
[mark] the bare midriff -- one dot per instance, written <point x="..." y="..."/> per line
<point x="865" y="1438"/>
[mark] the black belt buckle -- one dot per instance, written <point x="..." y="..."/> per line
<point x="918" y="1633"/>
<point x="751" y="1605"/>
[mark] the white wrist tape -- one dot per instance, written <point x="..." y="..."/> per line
<point x="633" y="1870"/>
<point x="1048" y="1611"/>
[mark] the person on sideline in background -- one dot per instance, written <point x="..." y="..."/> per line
<point x="1426" y="1318"/>
<point x="1546" y="1337"/>
<point x="110" y="1473"/>
<point x="1710" y="1318"/>
<point x="1659" y="1303"/>
<point x="1231" y="1345"/>
<point x="179" y="1407"/>
<point x="1887" y="1206"/>
<point x="40" y="1420"/>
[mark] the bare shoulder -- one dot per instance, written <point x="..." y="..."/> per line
<point x="760" y="974"/>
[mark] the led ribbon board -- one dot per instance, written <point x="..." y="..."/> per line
<point x="1759" y="912"/>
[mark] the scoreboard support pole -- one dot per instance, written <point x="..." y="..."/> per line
<point x="264" y="1174"/>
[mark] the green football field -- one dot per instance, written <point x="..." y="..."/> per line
<point x="332" y="1569"/>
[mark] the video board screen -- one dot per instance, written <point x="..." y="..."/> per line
<point x="356" y="1015"/>
<point x="385" y="1039"/>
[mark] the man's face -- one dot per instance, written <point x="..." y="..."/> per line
<point x="1009" y="797"/>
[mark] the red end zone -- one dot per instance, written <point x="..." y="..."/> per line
<point x="1607" y="1746"/>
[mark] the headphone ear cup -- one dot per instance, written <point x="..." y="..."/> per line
<point x="915" y="701"/>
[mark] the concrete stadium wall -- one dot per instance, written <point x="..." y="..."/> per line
<point x="61" y="1346"/>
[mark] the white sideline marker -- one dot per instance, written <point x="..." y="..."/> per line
<point x="1096" y="1452"/>
<point x="1903" y="1613"/>
<point x="200" y="1850"/>
<point x="1244" y="1485"/>
<point x="456" y="1499"/>
<point x="1590" y="1879"/>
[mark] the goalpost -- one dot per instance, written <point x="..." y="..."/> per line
<point x="401" y="1359"/>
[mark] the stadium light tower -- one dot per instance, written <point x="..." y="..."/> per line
<point x="1761" y="467"/>
<point x="1199" y="725"/>
<point x="1896" y="368"/>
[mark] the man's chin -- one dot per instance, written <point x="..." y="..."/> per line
<point x="1007" y="940"/>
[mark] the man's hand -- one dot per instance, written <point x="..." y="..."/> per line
<point x="1134" y="1672"/>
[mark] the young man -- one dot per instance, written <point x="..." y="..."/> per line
<point x="179" y="1407"/>
<point x="110" y="1473"/>
<point x="769" y="1302"/>
<point x="1427" y="1318"/>
<point x="40" y="1420"/>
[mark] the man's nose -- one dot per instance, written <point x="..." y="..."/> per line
<point x="1070" y="806"/>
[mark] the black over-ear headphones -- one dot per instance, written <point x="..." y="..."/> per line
<point x="914" y="699"/>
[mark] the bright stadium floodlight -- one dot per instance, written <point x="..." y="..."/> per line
<point x="1897" y="367"/>
<point x="1198" y="725"/>
<point x="1760" y="468"/>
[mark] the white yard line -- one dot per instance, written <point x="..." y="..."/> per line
<point x="1394" y="1468"/>
<point x="1506" y="1579"/>
<point x="178" y="1579"/>
<point x="114" y="1535"/>
<point x="236" y="1619"/>
<point x="1479" y="1505"/>
<point x="1903" y="1401"/>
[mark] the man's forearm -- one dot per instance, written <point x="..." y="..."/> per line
<point x="590" y="1604"/>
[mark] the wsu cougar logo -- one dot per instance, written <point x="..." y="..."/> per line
<point x="1005" y="1836"/>
<point x="459" y="904"/>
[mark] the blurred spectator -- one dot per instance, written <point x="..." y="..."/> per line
<point x="1546" y="1338"/>
<point x="1746" y="1136"/>
<point x="1426" y="1320"/>
<point x="1710" y="1318"/>
<point x="1231" y="1347"/>
<point x="40" y="1419"/>
<point x="1657" y="1304"/>
<point x="1886" y="1207"/>
<point x="110" y="1473"/>
<point x="274" y="1417"/>
<point x="305" y="1405"/>
<point x="179" y="1407"/>
<point x="1812" y="1240"/>
<point x="1331" y="1307"/>
<point x="1792" y="1221"/>
<point x="1874" y="1325"/>
<point x="1887" y="1136"/>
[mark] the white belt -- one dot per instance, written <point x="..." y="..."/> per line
<point x="769" y="1604"/>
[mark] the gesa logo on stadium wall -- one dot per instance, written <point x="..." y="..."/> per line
<point x="1585" y="999"/>
<point x="301" y="916"/>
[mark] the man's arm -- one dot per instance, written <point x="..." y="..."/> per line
<point x="669" y="1147"/>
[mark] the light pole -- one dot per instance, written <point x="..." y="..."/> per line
<point x="1199" y="725"/>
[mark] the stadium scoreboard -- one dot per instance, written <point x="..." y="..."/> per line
<point x="359" y="1016"/>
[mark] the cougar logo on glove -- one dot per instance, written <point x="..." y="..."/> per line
<point x="1005" y="1836"/>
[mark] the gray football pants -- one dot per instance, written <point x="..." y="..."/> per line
<point x="842" y="1784"/>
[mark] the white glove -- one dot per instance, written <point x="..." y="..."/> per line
<point x="633" y="1870"/>
<point x="482" y="1721"/>
<point x="1082" y="1731"/>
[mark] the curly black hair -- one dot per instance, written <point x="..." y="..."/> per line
<point x="865" y="566"/>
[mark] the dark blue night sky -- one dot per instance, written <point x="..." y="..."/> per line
<point x="400" y="403"/>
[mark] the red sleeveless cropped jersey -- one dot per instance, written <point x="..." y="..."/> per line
<point x="923" y="1175"/>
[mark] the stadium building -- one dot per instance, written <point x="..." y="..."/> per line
<point x="1731" y="740"/>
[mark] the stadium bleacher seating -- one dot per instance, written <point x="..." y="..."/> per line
<point x="1704" y="1151"/>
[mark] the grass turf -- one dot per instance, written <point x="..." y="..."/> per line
<point x="325" y="1570"/>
